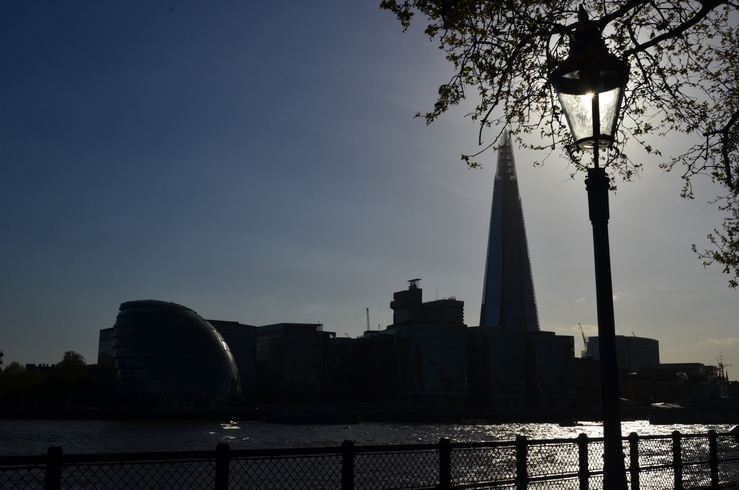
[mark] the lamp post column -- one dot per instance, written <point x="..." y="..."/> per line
<point x="614" y="472"/>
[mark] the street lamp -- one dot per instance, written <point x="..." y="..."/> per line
<point x="590" y="85"/>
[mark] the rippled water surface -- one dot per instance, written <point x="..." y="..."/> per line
<point x="33" y="437"/>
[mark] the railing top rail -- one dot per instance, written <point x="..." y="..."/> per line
<point x="21" y="460"/>
<point x="480" y="445"/>
<point x="571" y="440"/>
<point x="126" y="457"/>
<point x="682" y="436"/>
<point x="396" y="447"/>
<point x="306" y="451"/>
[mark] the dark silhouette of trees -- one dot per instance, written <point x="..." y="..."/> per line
<point x="70" y="369"/>
<point x="684" y="58"/>
<point x="66" y="382"/>
<point x="15" y="381"/>
<point x="69" y="380"/>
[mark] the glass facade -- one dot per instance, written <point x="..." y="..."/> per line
<point x="508" y="299"/>
<point x="424" y="364"/>
<point x="165" y="348"/>
<point x="497" y="369"/>
<point x="632" y="353"/>
<point x="242" y="341"/>
<point x="550" y="370"/>
<point x="289" y="362"/>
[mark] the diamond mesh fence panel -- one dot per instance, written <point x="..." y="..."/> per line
<point x="553" y="458"/>
<point x="728" y="456"/>
<point x="655" y="452"/>
<point x="556" y="484"/>
<point x="286" y="472"/>
<point x="484" y="465"/>
<point x="164" y="475"/>
<point x="695" y="452"/>
<point x="22" y="477"/>
<point x="389" y="470"/>
<point x="655" y="463"/>
<point x="595" y="482"/>
<point x="656" y="479"/>
<point x="595" y="456"/>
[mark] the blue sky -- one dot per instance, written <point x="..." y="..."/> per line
<point x="261" y="163"/>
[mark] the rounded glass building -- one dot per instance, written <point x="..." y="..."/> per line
<point x="168" y="349"/>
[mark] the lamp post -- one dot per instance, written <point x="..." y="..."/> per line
<point x="590" y="85"/>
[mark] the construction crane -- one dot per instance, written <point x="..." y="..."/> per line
<point x="584" y="341"/>
<point x="723" y="375"/>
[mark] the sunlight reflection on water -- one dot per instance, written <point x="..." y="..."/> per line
<point x="26" y="437"/>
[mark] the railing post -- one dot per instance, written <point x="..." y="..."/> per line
<point x="677" y="460"/>
<point x="713" y="457"/>
<point x="445" y="464"/>
<point x="634" y="460"/>
<point x="53" y="477"/>
<point x="223" y="458"/>
<point x="584" y="472"/>
<point x="347" y="465"/>
<point x="522" y="475"/>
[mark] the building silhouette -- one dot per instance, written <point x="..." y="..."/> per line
<point x="513" y="371"/>
<point x="632" y="353"/>
<point x="242" y="342"/>
<point x="289" y="362"/>
<point x="508" y="300"/>
<point x="167" y="354"/>
<point x="422" y="356"/>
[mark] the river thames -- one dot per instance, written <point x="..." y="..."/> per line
<point x="33" y="437"/>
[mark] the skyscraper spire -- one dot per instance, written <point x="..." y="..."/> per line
<point x="508" y="299"/>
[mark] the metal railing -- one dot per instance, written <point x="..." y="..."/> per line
<point x="653" y="462"/>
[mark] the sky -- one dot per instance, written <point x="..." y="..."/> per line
<point x="260" y="163"/>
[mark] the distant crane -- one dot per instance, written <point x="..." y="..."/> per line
<point x="722" y="367"/>
<point x="584" y="341"/>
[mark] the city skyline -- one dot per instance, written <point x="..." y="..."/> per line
<point x="261" y="164"/>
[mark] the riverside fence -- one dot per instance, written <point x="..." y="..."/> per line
<point x="677" y="461"/>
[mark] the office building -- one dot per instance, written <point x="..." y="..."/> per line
<point x="289" y="362"/>
<point x="496" y="369"/>
<point x="409" y="309"/>
<point x="549" y="369"/>
<point x="242" y="342"/>
<point x="167" y="354"/>
<point x="632" y="353"/>
<point x="106" y="353"/>
<point x="423" y="354"/>
<point x="511" y="370"/>
<point x="508" y="300"/>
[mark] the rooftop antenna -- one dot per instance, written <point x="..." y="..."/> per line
<point x="368" y="323"/>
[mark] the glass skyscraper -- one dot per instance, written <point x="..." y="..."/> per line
<point x="508" y="300"/>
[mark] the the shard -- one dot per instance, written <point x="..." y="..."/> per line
<point x="508" y="299"/>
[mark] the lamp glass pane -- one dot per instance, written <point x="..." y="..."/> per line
<point x="608" y="105"/>
<point x="578" y="110"/>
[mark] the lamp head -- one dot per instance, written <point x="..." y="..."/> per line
<point x="590" y="85"/>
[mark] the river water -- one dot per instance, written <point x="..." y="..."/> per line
<point x="33" y="437"/>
